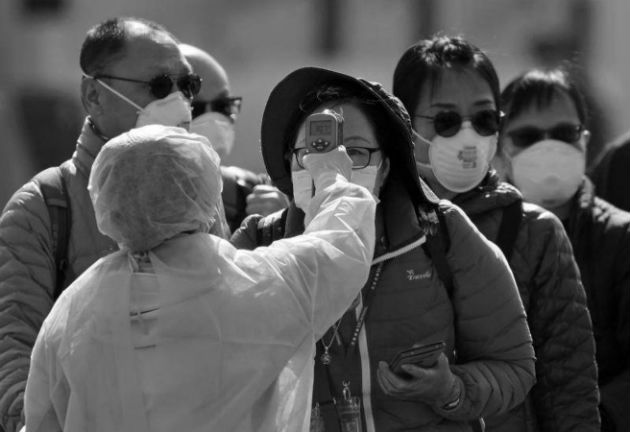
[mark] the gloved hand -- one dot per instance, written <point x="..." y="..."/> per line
<point x="265" y="199"/>
<point x="324" y="167"/>
<point x="437" y="386"/>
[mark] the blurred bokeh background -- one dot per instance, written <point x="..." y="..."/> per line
<point x="260" y="41"/>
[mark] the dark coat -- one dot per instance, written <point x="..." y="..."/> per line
<point x="611" y="173"/>
<point x="600" y="235"/>
<point x="565" y="396"/>
<point x="27" y="268"/>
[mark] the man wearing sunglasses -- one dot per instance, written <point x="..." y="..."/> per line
<point x="133" y="74"/>
<point x="214" y="113"/>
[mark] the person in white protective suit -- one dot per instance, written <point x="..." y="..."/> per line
<point x="180" y="331"/>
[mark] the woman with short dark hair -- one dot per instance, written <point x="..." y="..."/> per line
<point x="451" y="89"/>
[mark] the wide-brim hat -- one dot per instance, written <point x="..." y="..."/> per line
<point x="283" y="112"/>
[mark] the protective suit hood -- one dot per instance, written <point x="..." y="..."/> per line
<point x="152" y="183"/>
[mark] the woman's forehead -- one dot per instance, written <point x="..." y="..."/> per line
<point x="355" y="122"/>
<point x="353" y="116"/>
<point x="455" y="87"/>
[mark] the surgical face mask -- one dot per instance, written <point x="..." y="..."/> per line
<point x="302" y="188"/>
<point x="218" y="129"/>
<point x="460" y="162"/>
<point x="366" y="177"/>
<point x="303" y="183"/>
<point x="173" y="110"/>
<point x="549" y="172"/>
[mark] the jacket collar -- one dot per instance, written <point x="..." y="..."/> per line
<point x="88" y="146"/>
<point x="583" y="201"/>
<point x="399" y="220"/>
<point x="398" y="223"/>
<point x="490" y="194"/>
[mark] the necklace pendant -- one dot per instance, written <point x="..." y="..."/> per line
<point x="325" y="358"/>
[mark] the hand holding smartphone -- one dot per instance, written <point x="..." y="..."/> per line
<point x="424" y="356"/>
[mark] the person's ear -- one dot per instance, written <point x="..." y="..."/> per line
<point x="494" y="148"/>
<point x="586" y="138"/>
<point x="382" y="176"/>
<point x="385" y="168"/>
<point x="502" y="164"/>
<point x="91" y="97"/>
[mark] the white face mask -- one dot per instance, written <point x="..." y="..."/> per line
<point x="460" y="162"/>
<point x="218" y="129"/>
<point x="302" y="188"/>
<point x="549" y="172"/>
<point x="366" y="177"/>
<point x="173" y="110"/>
<point x="303" y="183"/>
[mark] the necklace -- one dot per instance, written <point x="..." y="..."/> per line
<point x="364" y="310"/>
<point x="326" y="357"/>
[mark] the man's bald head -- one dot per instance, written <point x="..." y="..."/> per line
<point x="105" y="43"/>
<point x="215" y="80"/>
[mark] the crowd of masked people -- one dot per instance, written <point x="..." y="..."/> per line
<point x="439" y="261"/>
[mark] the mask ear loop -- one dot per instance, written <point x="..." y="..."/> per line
<point x="427" y="142"/>
<point x="116" y="92"/>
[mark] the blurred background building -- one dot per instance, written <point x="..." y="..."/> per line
<point x="260" y="41"/>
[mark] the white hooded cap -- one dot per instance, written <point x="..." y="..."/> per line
<point x="152" y="183"/>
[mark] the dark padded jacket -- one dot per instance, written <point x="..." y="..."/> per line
<point x="411" y="305"/>
<point x="565" y="397"/>
<point x="611" y="173"/>
<point x="27" y="268"/>
<point x="600" y="235"/>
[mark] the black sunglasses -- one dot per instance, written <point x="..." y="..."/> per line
<point x="228" y="106"/>
<point x="361" y="156"/>
<point x="162" y="85"/>
<point x="448" y="123"/>
<point x="528" y="135"/>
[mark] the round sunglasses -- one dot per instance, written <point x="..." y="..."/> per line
<point x="162" y="85"/>
<point x="528" y="135"/>
<point x="449" y="123"/>
<point x="229" y="106"/>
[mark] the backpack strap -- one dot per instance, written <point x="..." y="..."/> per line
<point x="55" y="195"/>
<point x="437" y="245"/>
<point x="508" y="230"/>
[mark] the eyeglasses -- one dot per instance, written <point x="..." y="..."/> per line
<point x="162" y="85"/>
<point x="228" y="106"/>
<point x="528" y="135"/>
<point x="448" y="123"/>
<point x="361" y="156"/>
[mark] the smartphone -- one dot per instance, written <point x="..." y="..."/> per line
<point x="324" y="131"/>
<point x="423" y="356"/>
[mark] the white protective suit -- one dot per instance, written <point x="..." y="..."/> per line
<point x="196" y="335"/>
